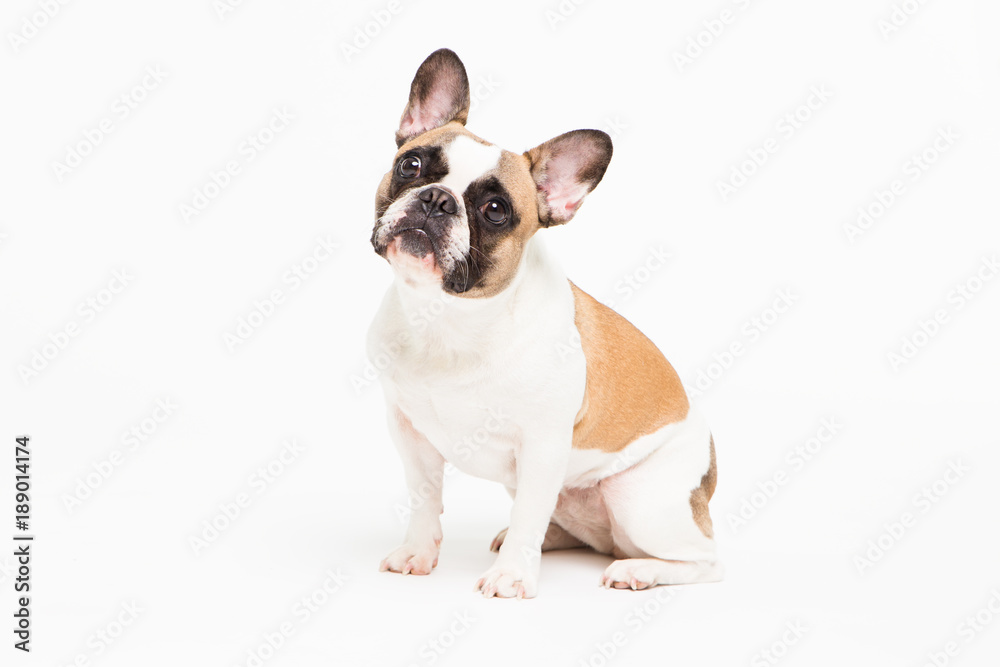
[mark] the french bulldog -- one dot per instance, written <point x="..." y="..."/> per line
<point x="503" y="367"/>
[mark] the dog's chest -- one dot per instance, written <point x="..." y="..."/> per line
<point x="469" y="424"/>
<point x="480" y="379"/>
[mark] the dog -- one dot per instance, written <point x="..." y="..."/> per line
<point x="503" y="367"/>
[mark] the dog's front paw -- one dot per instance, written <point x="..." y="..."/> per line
<point x="411" y="560"/>
<point x="505" y="582"/>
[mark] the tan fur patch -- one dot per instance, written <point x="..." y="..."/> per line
<point x="703" y="493"/>
<point x="631" y="391"/>
<point x="515" y="173"/>
<point x="503" y="263"/>
<point x="439" y="136"/>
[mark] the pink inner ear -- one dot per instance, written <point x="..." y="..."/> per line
<point x="407" y="124"/>
<point x="434" y="111"/>
<point x="563" y="192"/>
<point x="416" y="122"/>
<point x="564" y="198"/>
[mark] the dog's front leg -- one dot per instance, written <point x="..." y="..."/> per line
<point x="424" y="469"/>
<point x="541" y="469"/>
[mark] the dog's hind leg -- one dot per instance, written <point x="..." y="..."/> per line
<point x="659" y="515"/>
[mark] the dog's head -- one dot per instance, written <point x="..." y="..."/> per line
<point x="455" y="210"/>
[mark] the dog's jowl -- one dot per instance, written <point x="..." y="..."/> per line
<point x="567" y="404"/>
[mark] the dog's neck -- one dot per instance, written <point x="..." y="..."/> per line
<point x="463" y="323"/>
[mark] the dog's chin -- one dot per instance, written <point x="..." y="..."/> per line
<point x="411" y="254"/>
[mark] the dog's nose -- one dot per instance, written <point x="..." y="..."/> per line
<point x="437" y="202"/>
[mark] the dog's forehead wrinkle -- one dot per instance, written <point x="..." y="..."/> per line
<point x="468" y="160"/>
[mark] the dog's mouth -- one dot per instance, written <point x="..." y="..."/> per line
<point x="421" y="248"/>
<point x="411" y="252"/>
<point x="407" y="239"/>
<point x="413" y="242"/>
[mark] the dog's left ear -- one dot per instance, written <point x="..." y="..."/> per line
<point x="439" y="94"/>
<point x="565" y="170"/>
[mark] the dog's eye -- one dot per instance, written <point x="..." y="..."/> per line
<point x="495" y="211"/>
<point x="409" y="166"/>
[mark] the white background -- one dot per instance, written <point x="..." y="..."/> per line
<point x="679" y="131"/>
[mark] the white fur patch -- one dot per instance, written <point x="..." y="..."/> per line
<point x="651" y="502"/>
<point x="468" y="160"/>
<point x="588" y="466"/>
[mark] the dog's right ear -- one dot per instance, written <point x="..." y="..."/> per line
<point x="439" y="94"/>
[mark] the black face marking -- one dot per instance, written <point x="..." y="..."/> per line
<point x="433" y="167"/>
<point x="416" y="242"/>
<point x="482" y="193"/>
<point x="484" y="235"/>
